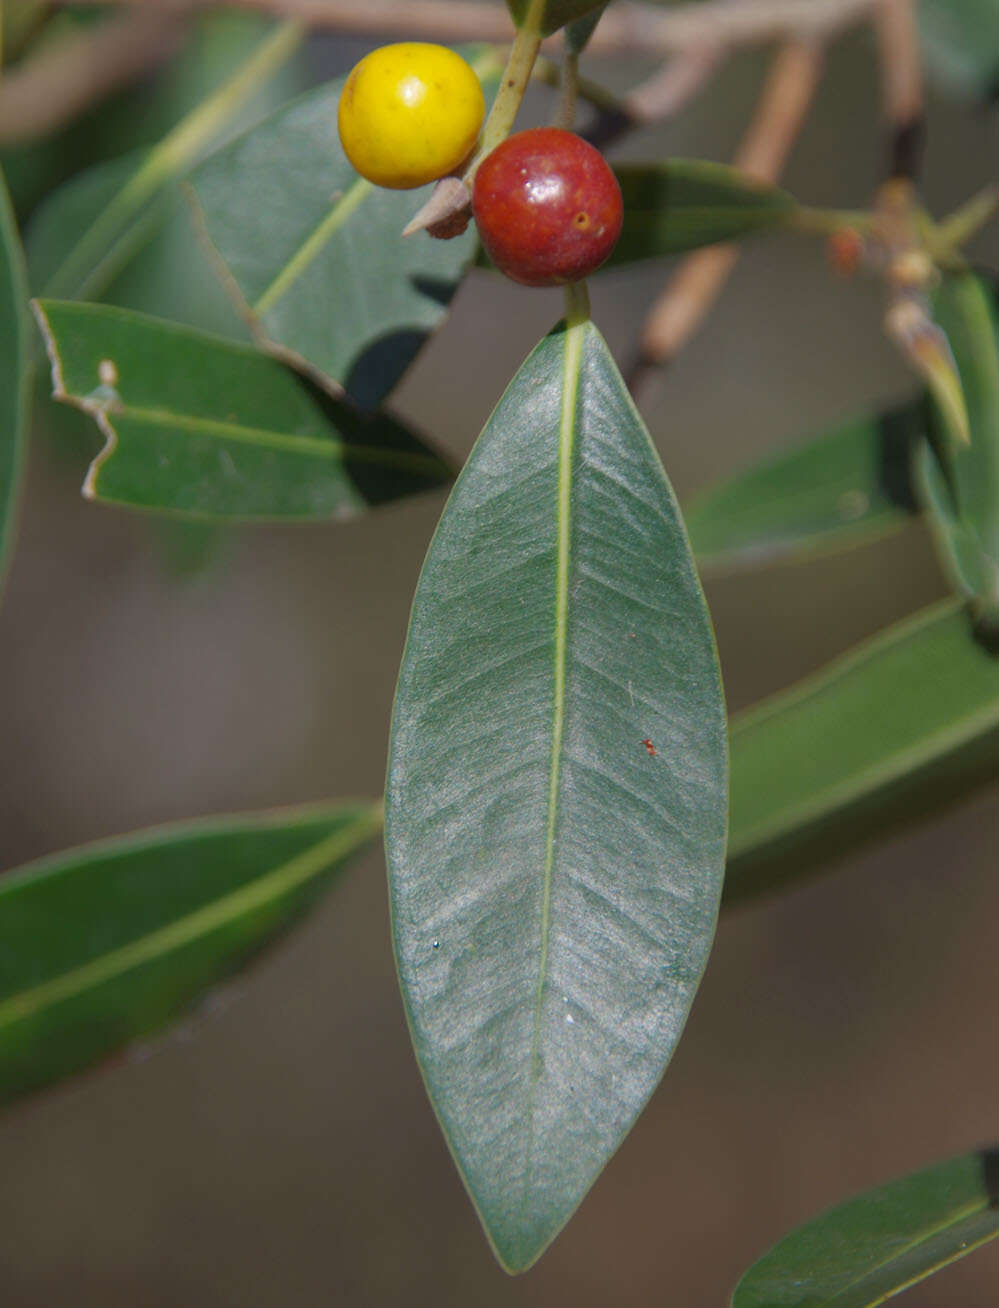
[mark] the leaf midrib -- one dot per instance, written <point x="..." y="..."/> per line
<point x="328" y="447"/>
<point x="571" y="367"/>
<point x="921" y="1238"/>
<point x="310" y="249"/>
<point x="289" y="876"/>
<point x="936" y="745"/>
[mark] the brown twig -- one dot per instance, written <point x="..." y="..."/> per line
<point x="780" y="114"/>
<point x="902" y="81"/>
<point x="65" y="78"/>
<point x="898" y="246"/>
<point x="624" y="28"/>
<point x="660" y="97"/>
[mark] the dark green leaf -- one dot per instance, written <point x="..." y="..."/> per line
<point x="556" y="793"/>
<point x="900" y="726"/>
<point x="846" y="487"/>
<point x="876" y="1245"/>
<point x="960" y="483"/>
<point x="197" y="425"/>
<point x="105" y="943"/>
<point x="314" y="253"/>
<point x="578" y="33"/>
<point x="547" y="16"/>
<point x="14" y="372"/>
<point x="684" y="203"/>
<point x="961" y="39"/>
<point x="80" y="258"/>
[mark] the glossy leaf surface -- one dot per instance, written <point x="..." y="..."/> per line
<point x="685" y="203"/>
<point x="14" y="372"/>
<point x="843" y="488"/>
<point x="107" y="942"/>
<point x="556" y="793"/>
<point x="900" y="726"/>
<point x="314" y="253"/>
<point x="201" y="426"/>
<point x="960" y="483"/>
<point x="879" y="1243"/>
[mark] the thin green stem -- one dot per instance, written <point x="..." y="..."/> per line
<point x="577" y="304"/>
<point x="168" y="160"/>
<point x="516" y="75"/>
<point x="947" y="236"/>
<point x="550" y="73"/>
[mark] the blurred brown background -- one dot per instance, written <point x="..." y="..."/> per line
<point x="279" y="1150"/>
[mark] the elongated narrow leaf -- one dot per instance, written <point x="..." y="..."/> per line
<point x="14" y="372"/>
<point x="848" y="486"/>
<point x="201" y="426"/>
<point x="901" y="726"/>
<point x="548" y="16"/>
<point x="879" y="1243"/>
<point x="961" y="39"/>
<point x="556" y="793"/>
<point x="92" y="231"/>
<point x="960" y="483"/>
<point x="684" y="203"/>
<point x="314" y="252"/>
<point x="105" y="943"/>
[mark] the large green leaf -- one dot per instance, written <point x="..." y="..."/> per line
<point x="556" y="793"/>
<point x="314" y="253"/>
<point x="202" y="426"/>
<point x="684" y="203"/>
<point x="900" y="726"/>
<point x="14" y="372"/>
<point x="879" y="1243"/>
<point x="847" y="486"/>
<point x="92" y="230"/>
<point x="105" y="943"/>
<point x="961" y="39"/>
<point x="960" y="483"/>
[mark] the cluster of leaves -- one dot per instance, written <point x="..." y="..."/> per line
<point x="557" y="799"/>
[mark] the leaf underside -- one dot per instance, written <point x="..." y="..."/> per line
<point x="556" y="793"/>
<point x="103" y="944"/>
<point x="879" y="1243"/>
